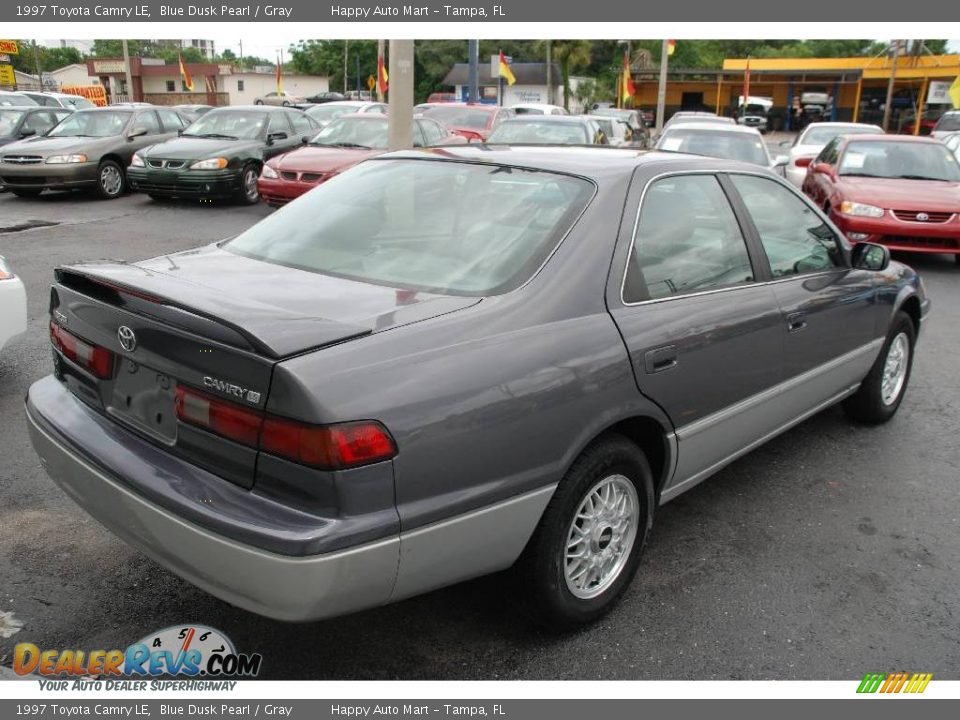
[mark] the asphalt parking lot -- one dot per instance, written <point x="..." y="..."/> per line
<point x="832" y="551"/>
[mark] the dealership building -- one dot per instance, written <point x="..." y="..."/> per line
<point x="855" y="88"/>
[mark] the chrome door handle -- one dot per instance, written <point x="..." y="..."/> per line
<point x="796" y="321"/>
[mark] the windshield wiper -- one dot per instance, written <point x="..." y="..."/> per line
<point x="860" y="174"/>
<point x="342" y="145"/>
<point x="211" y="135"/>
<point x="921" y="177"/>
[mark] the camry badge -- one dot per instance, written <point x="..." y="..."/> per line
<point x="922" y="217"/>
<point x="128" y="341"/>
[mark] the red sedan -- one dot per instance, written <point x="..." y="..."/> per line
<point x="472" y="121"/>
<point x="342" y="144"/>
<point x="902" y="192"/>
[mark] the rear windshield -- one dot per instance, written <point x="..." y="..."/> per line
<point x="540" y="133"/>
<point x="950" y="121"/>
<point x="326" y="113"/>
<point x="822" y="135"/>
<point x="457" y="116"/>
<point x="93" y="123"/>
<point x="435" y="226"/>
<point x="904" y="160"/>
<point x="718" y="144"/>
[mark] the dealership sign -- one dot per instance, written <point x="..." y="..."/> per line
<point x="9" y="47"/>
<point x="939" y="92"/>
<point x="6" y="75"/>
<point x="106" y="67"/>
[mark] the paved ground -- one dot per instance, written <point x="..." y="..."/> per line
<point x="832" y="551"/>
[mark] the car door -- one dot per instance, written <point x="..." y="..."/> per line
<point x="148" y="120"/>
<point x="829" y="309"/>
<point x="701" y="325"/>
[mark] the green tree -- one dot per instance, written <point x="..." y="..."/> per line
<point x="571" y="55"/>
<point x="325" y="57"/>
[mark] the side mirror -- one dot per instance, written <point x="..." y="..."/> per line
<point x="780" y="160"/>
<point x="870" y="256"/>
<point x="27" y="133"/>
<point x="136" y="132"/>
<point x="785" y="143"/>
<point x="273" y="137"/>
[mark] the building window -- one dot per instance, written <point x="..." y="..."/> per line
<point x="239" y="85"/>
<point x="171" y="86"/>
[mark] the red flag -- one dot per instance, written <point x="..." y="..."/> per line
<point x="627" y="88"/>
<point x="185" y="74"/>
<point x="383" y="78"/>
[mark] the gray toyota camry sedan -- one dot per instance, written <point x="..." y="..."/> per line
<point x="441" y="364"/>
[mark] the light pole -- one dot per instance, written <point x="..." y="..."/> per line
<point x="662" y="88"/>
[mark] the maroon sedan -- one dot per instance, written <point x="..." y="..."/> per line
<point x="340" y="145"/>
<point x="472" y="121"/>
<point x="902" y="192"/>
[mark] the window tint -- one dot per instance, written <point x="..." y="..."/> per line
<point x="278" y="124"/>
<point x="687" y="240"/>
<point x="171" y="120"/>
<point x="793" y="235"/>
<point x="149" y="121"/>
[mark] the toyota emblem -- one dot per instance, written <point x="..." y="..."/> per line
<point x="128" y="341"/>
<point x="922" y="217"/>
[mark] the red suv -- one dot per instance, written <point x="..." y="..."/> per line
<point x="902" y="192"/>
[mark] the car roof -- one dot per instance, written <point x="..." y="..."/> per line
<point x="717" y="128"/>
<point x="256" y="108"/>
<point x="350" y="103"/>
<point x="877" y="137"/>
<point x="546" y="118"/>
<point x="595" y="162"/>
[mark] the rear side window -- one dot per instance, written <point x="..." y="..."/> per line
<point x="794" y="237"/>
<point x="688" y="240"/>
<point x="170" y="119"/>
<point x="149" y="121"/>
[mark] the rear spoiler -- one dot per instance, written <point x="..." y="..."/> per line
<point x="232" y="320"/>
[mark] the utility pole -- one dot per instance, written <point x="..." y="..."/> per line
<point x="888" y="108"/>
<point x="36" y="65"/>
<point x="126" y="69"/>
<point x="662" y="89"/>
<point x="357" y="58"/>
<point x="401" y="94"/>
<point x="473" y="76"/>
<point x="241" y="55"/>
<point x="551" y="95"/>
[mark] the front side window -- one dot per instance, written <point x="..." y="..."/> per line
<point x="170" y="119"/>
<point x="436" y="226"/>
<point x="149" y="121"/>
<point x="795" y="238"/>
<point x="688" y="240"/>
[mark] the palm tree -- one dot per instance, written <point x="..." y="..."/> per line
<point x="570" y="53"/>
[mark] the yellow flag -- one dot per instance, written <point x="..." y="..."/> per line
<point x="955" y="93"/>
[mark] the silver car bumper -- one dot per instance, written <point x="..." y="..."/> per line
<point x="277" y="586"/>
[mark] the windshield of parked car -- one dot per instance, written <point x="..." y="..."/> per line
<point x="822" y="135"/>
<point x="14" y="99"/>
<point x="613" y="112"/>
<point x="435" y="226"/>
<point x="355" y="132"/>
<point x="947" y="122"/>
<point x="459" y="116"/>
<point x="326" y="113"/>
<point x="92" y="123"/>
<point x="76" y="102"/>
<point x="8" y="121"/>
<point x="228" y="125"/>
<point x="534" y="132"/>
<point x="904" y="160"/>
<point x="715" y="143"/>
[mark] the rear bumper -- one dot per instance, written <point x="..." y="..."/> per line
<point x="928" y="237"/>
<point x="48" y="177"/>
<point x="280" y="586"/>
<point x="186" y="183"/>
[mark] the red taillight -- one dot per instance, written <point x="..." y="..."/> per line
<point x="330" y="447"/>
<point x="803" y="161"/>
<point x="94" y="358"/>
<point x="327" y="446"/>
<point x="221" y="417"/>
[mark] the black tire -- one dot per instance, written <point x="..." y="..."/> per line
<point x="870" y="404"/>
<point x="541" y="569"/>
<point x="244" y="194"/>
<point x="111" y="180"/>
<point x="258" y="102"/>
<point x="25" y="192"/>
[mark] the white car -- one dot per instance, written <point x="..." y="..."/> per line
<point x="59" y="100"/>
<point x="719" y="140"/>
<point x="538" y="109"/>
<point x="13" y="305"/>
<point x="326" y="113"/>
<point x="952" y="141"/>
<point x="814" y="138"/>
<point x="949" y="122"/>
